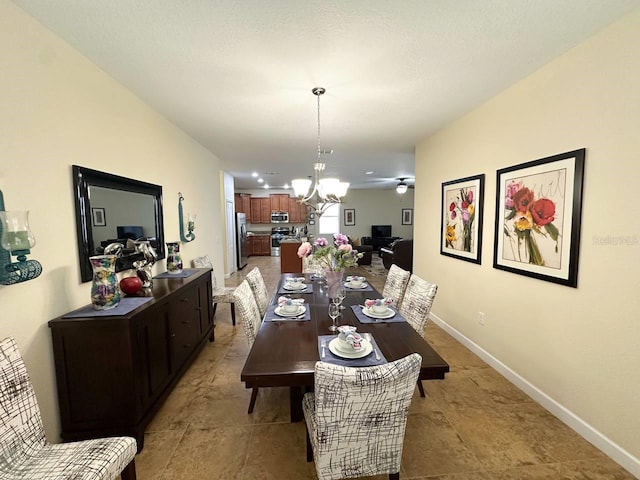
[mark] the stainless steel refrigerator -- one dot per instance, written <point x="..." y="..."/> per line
<point x="241" y="237"/>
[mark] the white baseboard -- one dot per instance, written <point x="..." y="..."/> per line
<point x="593" y="436"/>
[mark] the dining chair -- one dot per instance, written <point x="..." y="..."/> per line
<point x="24" y="450"/>
<point x="250" y="319"/>
<point x="220" y="294"/>
<point x="416" y="305"/>
<point x="259" y="288"/>
<point x="356" y="418"/>
<point x="396" y="284"/>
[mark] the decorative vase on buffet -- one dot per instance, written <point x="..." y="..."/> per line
<point x="174" y="259"/>
<point x="143" y="267"/>
<point x="105" y="292"/>
<point x="334" y="282"/>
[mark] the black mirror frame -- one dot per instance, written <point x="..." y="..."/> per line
<point x="83" y="178"/>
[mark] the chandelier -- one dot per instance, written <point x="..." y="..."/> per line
<point x="326" y="191"/>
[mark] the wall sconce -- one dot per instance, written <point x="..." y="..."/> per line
<point x="16" y="239"/>
<point x="191" y="223"/>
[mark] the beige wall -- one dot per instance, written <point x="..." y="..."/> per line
<point x="57" y="109"/>
<point x="581" y="347"/>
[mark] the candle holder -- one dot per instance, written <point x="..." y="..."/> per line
<point x="16" y="239"/>
<point x="191" y="223"/>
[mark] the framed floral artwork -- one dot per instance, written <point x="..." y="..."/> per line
<point x="349" y="216"/>
<point x="407" y="216"/>
<point x="538" y="214"/>
<point x="99" y="218"/>
<point x="461" y="220"/>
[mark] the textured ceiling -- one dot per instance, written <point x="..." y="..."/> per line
<point x="237" y="75"/>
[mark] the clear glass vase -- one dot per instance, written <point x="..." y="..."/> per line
<point x="105" y="292"/>
<point x="174" y="259"/>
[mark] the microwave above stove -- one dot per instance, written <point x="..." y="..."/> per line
<point x="279" y="217"/>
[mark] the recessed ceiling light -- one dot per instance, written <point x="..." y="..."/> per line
<point x="370" y="172"/>
<point x="286" y="185"/>
<point x="266" y="185"/>
<point x="260" y="180"/>
<point x="254" y="174"/>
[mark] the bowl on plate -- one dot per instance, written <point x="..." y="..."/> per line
<point x="379" y="309"/>
<point x="349" y="339"/>
<point x="357" y="282"/>
<point x="290" y="308"/>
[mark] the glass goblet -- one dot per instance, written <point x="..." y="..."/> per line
<point x="334" y="311"/>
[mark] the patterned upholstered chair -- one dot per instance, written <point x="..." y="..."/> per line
<point x="260" y="292"/>
<point x="250" y="319"/>
<point x="356" y="418"/>
<point x="416" y="305"/>
<point x="395" y="284"/>
<point x="24" y="450"/>
<point x="220" y="294"/>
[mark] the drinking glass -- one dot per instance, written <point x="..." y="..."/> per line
<point x="334" y="311"/>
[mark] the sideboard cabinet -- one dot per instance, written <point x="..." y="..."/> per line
<point x="114" y="372"/>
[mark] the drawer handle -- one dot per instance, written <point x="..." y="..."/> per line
<point x="187" y="345"/>
<point x="185" y="322"/>
<point x="173" y="335"/>
<point x="185" y="300"/>
<point x="198" y="308"/>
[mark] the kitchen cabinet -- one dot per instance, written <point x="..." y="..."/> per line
<point x="297" y="211"/>
<point x="113" y="372"/>
<point x="279" y="202"/>
<point x="260" y="210"/>
<point x="243" y="204"/>
<point x="259" y="245"/>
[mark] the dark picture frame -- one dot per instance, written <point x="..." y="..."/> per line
<point x="538" y="217"/>
<point x="98" y="217"/>
<point x="349" y="217"/>
<point x="461" y="218"/>
<point x="407" y="216"/>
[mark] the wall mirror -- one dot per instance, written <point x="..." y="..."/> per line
<point x="114" y="209"/>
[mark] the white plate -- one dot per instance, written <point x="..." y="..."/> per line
<point x="369" y="313"/>
<point x="289" y="286"/>
<point x="366" y="349"/>
<point x="364" y="285"/>
<point x="300" y="311"/>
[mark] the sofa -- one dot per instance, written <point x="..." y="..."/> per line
<point x="399" y="252"/>
<point x="366" y="250"/>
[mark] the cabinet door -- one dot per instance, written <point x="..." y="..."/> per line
<point x="265" y="210"/>
<point x="294" y="210"/>
<point x="184" y="321"/>
<point x="153" y="337"/>
<point x="284" y="202"/>
<point x="274" y="200"/>
<point x="256" y="212"/>
<point x="237" y="203"/>
<point x="205" y="308"/>
<point x="246" y="205"/>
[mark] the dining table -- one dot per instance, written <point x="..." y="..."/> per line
<point x="286" y="350"/>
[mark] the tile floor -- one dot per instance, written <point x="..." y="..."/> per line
<point x="474" y="425"/>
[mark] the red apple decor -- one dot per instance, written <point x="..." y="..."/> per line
<point x="130" y="285"/>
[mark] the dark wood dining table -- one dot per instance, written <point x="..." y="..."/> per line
<point x="285" y="352"/>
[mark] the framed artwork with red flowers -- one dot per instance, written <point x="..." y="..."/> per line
<point x="461" y="221"/>
<point x="538" y="214"/>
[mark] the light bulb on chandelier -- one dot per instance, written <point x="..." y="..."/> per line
<point x="326" y="191"/>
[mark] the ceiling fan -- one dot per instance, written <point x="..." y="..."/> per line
<point x="402" y="187"/>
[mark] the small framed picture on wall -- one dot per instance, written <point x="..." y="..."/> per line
<point x="407" y="216"/>
<point x="98" y="217"/>
<point x="349" y="216"/>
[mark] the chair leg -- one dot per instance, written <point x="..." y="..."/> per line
<point x="309" y="447"/>
<point x="215" y="305"/>
<point x="254" y="396"/>
<point x="233" y="314"/>
<point x="394" y="476"/>
<point x="420" y="387"/>
<point x="129" y="472"/>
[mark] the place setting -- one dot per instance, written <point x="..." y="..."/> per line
<point x="354" y="282"/>
<point x="295" y="285"/>
<point x="350" y="348"/>
<point x="288" y="309"/>
<point x="377" y="310"/>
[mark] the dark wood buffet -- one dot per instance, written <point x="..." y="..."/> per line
<point x="114" y="372"/>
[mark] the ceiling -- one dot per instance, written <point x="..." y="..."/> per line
<point x="237" y="75"/>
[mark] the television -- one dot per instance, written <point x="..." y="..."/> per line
<point x="379" y="231"/>
<point x="132" y="232"/>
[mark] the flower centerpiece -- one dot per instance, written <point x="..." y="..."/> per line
<point x="333" y="257"/>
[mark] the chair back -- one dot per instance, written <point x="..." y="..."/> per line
<point x="247" y="309"/>
<point x="205" y="262"/>
<point x="21" y="431"/>
<point x="361" y="416"/>
<point x="259" y="289"/>
<point x="396" y="284"/>
<point x="417" y="301"/>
